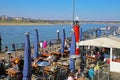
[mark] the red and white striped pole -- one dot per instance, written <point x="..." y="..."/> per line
<point x="77" y="35"/>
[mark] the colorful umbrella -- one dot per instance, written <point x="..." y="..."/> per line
<point x="62" y="41"/>
<point x="72" y="52"/>
<point x="27" y="59"/>
<point x="36" y="47"/>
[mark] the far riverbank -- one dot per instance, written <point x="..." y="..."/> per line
<point x="25" y="24"/>
<point x="48" y="24"/>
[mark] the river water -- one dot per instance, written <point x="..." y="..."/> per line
<point x="16" y="34"/>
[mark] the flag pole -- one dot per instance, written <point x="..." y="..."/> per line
<point x="73" y="10"/>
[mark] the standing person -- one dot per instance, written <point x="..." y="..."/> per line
<point x="98" y="56"/>
<point x="50" y="44"/>
<point x="41" y="46"/>
<point x="91" y="73"/>
<point x="22" y="46"/>
<point x="44" y="45"/>
<point x="13" y="47"/>
<point x="82" y="65"/>
<point x="6" y="48"/>
<point x="102" y="56"/>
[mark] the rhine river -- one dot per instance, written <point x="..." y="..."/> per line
<point x="16" y="34"/>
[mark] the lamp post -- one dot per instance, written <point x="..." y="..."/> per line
<point x="77" y="34"/>
<point x="58" y="36"/>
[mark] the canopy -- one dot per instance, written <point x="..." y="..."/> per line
<point x="110" y="42"/>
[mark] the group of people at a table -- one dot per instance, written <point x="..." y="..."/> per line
<point x="13" y="67"/>
<point x="50" y="61"/>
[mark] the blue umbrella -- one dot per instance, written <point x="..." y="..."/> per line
<point x="72" y="52"/>
<point x="27" y="59"/>
<point x="36" y="44"/>
<point x="62" y="41"/>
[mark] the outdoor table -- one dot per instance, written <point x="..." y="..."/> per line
<point x="12" y="72"/>
<point x="91" y="58"/>
<point x="66" y="51"/>
<point x="117" y="60"/>
<point x="45" y="54"/>
<point x="40" y="58"/>
<point x="57" y="54"/>
<point x="80" y="79"/>
<point x="42" y="64"/>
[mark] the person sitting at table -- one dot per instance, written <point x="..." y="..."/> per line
<point x="71" y="76"/>
<point x="2" y="69"/>
<point x="114" y="57"/>
<point x="98" y="56"/>
<point x="51" y="58"/>
<point x="82" y="65"/>
<point x="53" y="67"/>
<point x="3" y="60"/>
<point x="12" y="71"/>
<point x="11" y="58"/>
<point x="79" y="74"/>
<point x="15" y="66"/>
<point x="21" y="64"/>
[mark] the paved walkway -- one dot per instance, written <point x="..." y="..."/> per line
<point x="115" y="76"/>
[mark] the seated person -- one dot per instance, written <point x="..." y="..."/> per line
<point x="11" y="58"/>
<point x="53" y="67"/>
<point x="71" y="76"/>
<point x="21" y="64"/>
<point x="14" y="66"/>
<point x="114" y="57"/>
<point x="2" y="70"/>
<point x="79" y="74"/>
<point x="51" y="58"/>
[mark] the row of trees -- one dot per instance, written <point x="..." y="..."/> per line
<point x="6" y="19"/>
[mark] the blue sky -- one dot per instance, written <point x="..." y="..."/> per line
<point x="62" y="9"/>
